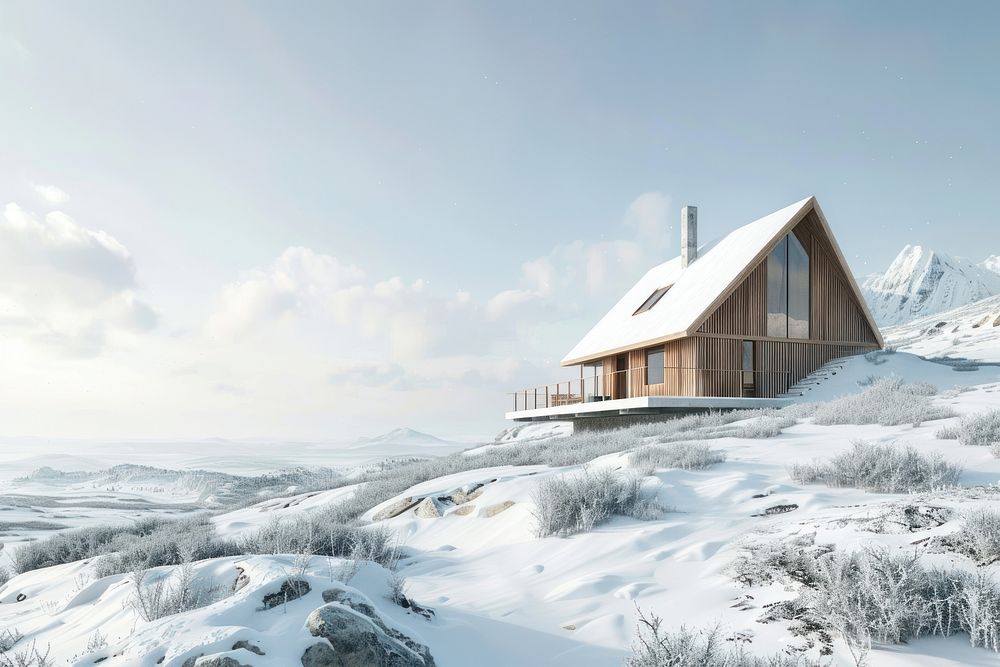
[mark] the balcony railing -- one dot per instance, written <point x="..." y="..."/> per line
<point x="633" y="382"/>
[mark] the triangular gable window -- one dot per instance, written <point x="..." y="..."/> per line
<point x="652" y="300"/>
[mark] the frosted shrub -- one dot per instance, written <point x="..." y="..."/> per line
<point x="981" y="429"/>
<point x="654" y="646"/>
<point x="947" y="432"/>
<point x="684" y="455"/>
<point x="143" y="544"/>
<point x="791" y="560"/>
<point x="979" y="536"/>
<point x="891" y="598"/>
<point x="874" y="594"/>
<point x="321" y="534"/>
<point x="881" y="469"/>
<point x="765" y="427"/>
<point x="29" y="656"/>
<point x="799" y="410"/>
<point x="887" y="402"/>
<point x="173" y="594"/>
<point x="703" y="425"/>
<point x="568" y="505"/>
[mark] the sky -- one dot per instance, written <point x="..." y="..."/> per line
<point x="325" y="220"/>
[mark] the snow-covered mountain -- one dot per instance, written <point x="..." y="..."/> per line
<point x="921" y="282"/>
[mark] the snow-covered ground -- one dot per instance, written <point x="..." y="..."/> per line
<point x="971" y="331"/>
<point x="501" y="595"/>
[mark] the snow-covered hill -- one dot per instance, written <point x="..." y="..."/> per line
<point x="921" y="282"/>
<point x="503" y="595"/>
<point x="403" y="437"/>
<point x="971" y="331"/>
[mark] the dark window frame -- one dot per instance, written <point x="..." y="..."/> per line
<point x="779" y="300"/>
<point x="652" y="300"/>
<point x="654" y="370"/>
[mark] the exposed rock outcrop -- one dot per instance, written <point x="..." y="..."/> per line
<point x="359" y="636"/>
<point x="292" y="589"/>
<point x="395" y="509"/>
<point x="493" y="510"/>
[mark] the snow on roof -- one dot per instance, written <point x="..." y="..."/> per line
<point x="693" y="290"/>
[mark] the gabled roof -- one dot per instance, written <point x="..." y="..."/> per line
<point x="697" y="291"/>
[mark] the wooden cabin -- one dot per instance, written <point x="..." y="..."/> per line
<point x="745" y="317"/>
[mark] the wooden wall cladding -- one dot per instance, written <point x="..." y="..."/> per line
<point x="679" y="375"/>
<point x="744" y="312"/>
<point x="835" y="314"/>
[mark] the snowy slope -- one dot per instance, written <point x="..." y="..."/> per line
<point x="503" y="596"/>
<point x="971" y="332"/>
<point x="921" y="281"/>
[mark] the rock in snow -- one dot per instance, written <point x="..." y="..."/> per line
<point x="921" y="281"/>
<point x="356" y="639"/>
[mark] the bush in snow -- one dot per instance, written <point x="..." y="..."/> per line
<point x="947" y="432"/>
<point x="979" y="536"/>
<point x="567" y="505"/>
<point x="684" y="455"/>
<point x="981" y="429"/>
<point x="322" y="534"/>
<point x="765" y="427"/>
<point x="654" y="646"/>
<point x="29" y="656"/>
<point x="891" y="598"/>
<point x="9" y="638"/>
<point x="779" y="560"/>
<point x="168" y="595"/>
<point x="876" y="594"/>
<point x="887" y="402"/>
<point x="169" y="543"/>
<point x="880" y="469"/>
<point x="146" y="543"/>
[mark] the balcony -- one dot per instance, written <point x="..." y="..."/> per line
<point x="627" y="392"/>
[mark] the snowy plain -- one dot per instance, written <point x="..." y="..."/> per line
<point x="501" y="595"/>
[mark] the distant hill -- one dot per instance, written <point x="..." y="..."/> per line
<point x="921" y="282"/>
<point x="406" y="437"/>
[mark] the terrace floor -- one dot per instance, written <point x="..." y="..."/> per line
<point x="644" y="405"/>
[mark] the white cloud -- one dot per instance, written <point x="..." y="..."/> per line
<point x="64" y="285"/>
<point x="575" y="275"/>
<point x="51" y="194"/>
<point x="648" y="216"/>
<point x="305" y="346"/>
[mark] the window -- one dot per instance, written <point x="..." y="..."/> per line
<point x="788" y="289"/>
<point x="798" y="289"/>
<point x="651" y="300"/>
<point x="747" y="363"/>
<point x="777" y="290"/>
<point x="654" y="365"/>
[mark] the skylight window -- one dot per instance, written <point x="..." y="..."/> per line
<point x="652" y="300"/>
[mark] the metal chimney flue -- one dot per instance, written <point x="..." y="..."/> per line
<point x="689" y="235"/>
